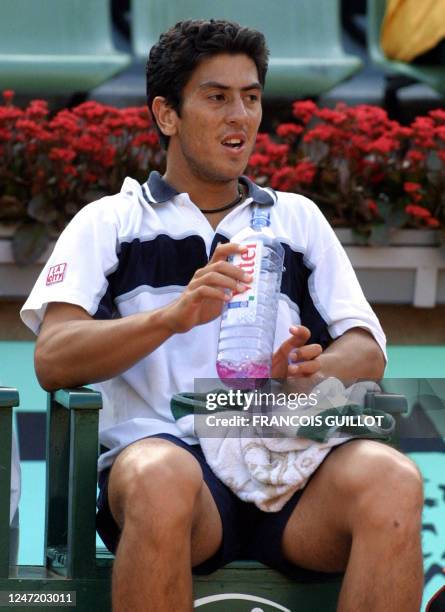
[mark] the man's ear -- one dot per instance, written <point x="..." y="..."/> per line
<point x="166" y="117"/>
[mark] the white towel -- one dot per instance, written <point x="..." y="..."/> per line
<point x="267" y="471"/>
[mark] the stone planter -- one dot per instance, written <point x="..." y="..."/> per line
<point x="16" y="281"/>
<point x="409" y="271"/>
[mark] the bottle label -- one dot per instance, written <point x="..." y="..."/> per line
<point x="242" y="307"/>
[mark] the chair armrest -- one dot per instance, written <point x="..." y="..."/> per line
<point x="9" y="397"/>
<point x="81" y="397"/>
<point x="72" y="451"/>
<point x="392" y="403"/>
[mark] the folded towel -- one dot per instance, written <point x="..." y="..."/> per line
<point x="267" y="469"/>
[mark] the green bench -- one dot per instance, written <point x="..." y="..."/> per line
<point x="57" y="46"/>
<point x="72" y="562"/>
<point x="307" y="58"/>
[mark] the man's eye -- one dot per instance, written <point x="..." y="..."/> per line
<point x="253" y="97"/>
<point x="217" y="97"/>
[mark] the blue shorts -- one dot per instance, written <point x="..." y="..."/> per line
<point x="248" y="533"/>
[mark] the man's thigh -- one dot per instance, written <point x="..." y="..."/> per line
<point x="318" y="535"/>
<point x="164" y="472"/>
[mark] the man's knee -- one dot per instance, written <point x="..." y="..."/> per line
<point x="154" y="484"/>
<point x="383" y="487"/>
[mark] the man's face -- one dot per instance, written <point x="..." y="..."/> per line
<point x="219" y="118"/>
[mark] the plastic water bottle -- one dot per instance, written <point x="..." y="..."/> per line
<point x="249" y="319"/>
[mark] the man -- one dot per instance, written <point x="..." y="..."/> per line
<point x="156" y="255"/>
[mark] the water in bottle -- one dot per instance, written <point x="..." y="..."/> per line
<point x="248" y="321"/>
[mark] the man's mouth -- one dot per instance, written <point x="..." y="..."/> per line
<point x="234" y="142"/>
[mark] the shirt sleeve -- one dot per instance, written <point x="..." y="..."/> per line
<point x="334" y="287"/>
<point x="77" y="270"/>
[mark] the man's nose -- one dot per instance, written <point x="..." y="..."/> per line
<point x="236" y="111"/>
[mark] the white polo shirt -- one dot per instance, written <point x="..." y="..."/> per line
<point x="137" y="250"/>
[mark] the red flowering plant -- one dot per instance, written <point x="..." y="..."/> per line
<point x="52" y="166"/>
<point x="364" y="170"/>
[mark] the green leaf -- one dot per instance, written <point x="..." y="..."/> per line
<point x="384" y="206"/>
<point x="398" y="218"/>
<point x="380" y="235"/>
<point x="11" y="208"/>
<point x="40" y="210"/>
<point x="360" y="237"/>
<point x="30" y="241"/>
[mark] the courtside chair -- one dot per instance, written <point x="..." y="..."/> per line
<point x="400" y="74"/>
<point x="307" y="58"/>
<point x="9" y="398"/>
<point x="72" y="562"/>
<point x="57" y="46"/>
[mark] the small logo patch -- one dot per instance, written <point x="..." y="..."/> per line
<point x="56" y="274"/>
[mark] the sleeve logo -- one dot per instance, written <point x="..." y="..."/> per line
<point x="56" y="274"/>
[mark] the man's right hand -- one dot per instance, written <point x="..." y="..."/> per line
<point x="205" y="295"/>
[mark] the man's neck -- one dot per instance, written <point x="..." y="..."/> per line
<point x="204" y="193"/>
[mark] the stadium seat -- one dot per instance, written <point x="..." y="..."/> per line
<point x="303" y="36"/>
<point x="434" y="76"/>
<point x="56" y="47"/>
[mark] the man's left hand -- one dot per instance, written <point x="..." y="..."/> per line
<point x="295" y="358"/>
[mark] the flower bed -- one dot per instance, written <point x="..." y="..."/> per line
<point x="363" y="170"/>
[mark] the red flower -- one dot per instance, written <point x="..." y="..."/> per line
<point x="438" y="114"/>
<point x="334" y="116"/>
<point x="283" y="179"/>
<point x="90" y="177"/>
<point x="411" y="187"/>
<point x="70" y="169"/>
<point x="440" y="132"/>
<point x="5" y="134"/>
<point x="257" y="159"/>
<point x="432" y="222"/>
<point x="384" y="145"/>
<point x="415" y="156"/>
<point x="289" y="130"/>
<point x="149" y="139"/>
<point x="321" y="132"/>
<point x="277" y="151"/>
<point x="304" y="110"/>
<point x="417" y="211"/>
<point x="58" y="154"/>
<point x="372" y="207"/>
<point x="305" y="172"/>
<point x="8" y="96"/>
<point x="37" y="109"/>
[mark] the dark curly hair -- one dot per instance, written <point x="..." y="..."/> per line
<point x="175" y="56"/>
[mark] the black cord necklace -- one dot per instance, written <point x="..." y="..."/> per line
<point x="236" y="201"/>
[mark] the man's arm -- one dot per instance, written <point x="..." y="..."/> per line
<point x="354" y="355"/>
<point x="74" y="349"/>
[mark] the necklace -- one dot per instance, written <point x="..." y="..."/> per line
<point x="236" y="201"/>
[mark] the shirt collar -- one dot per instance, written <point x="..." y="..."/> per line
<point x="156" y="190"/>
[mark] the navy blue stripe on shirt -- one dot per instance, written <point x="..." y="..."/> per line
<point x="166" y="261"/>
<point x="160" y="262"/>
<point x="295" y="284"/>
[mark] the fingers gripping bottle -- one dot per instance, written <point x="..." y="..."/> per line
<point x="248" y="320"/>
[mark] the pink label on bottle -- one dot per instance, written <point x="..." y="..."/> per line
<point x="242" y="307"/>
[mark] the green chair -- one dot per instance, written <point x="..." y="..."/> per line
<point x="72" y="562"/>
<point x="57" y="46"/>
<point x="8" y="533"/>
<point x="303" y="36"/>
<point x="434" y="76"/>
